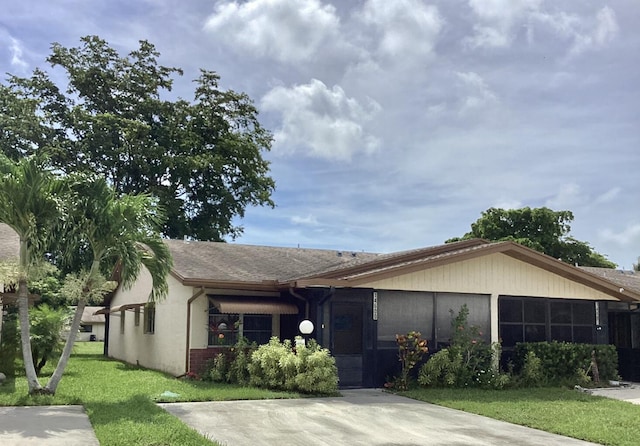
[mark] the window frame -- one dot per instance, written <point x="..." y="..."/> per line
<point x="525" y="322"/>
<point x="234" y="327"/>
<point x="150" y="318"/>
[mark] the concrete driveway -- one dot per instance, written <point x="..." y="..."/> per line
<point x="360" y="417"/>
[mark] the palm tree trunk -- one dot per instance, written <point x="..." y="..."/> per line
<point x="25" y="337"/>
<point x="52" y="385"/>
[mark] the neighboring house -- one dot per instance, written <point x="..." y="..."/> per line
<point x="9" y="249"/>
<point x="92" y="326"/>
<point x="358" y="302"/>
<point x="624" y="321"/>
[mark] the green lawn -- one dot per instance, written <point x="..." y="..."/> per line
<point x="120" y="399"/>
<point x="559" y="410"/>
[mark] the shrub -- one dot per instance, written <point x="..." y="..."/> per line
<point x="266" y="365"/>
<point x="441" y="370"/>
<point x="317" y="371"/>
<point x="560" y="361"/>
<point x="411" y="349"/>
<point x="467" y="361"/>
<point x="238" y="372"/>
<point x="10" y="342"/>
<point x="46" y="333"/>
<point x="531" y="374"/>
<point x="309" y="369"/>
<point x="217" y="369"/>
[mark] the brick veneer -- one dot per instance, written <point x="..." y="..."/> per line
<point x="198" y="357"/>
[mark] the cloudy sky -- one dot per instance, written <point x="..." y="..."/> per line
<point x="397" y="123"/>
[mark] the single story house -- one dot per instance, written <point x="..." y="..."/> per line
<point x="92" y="326"/>
<point x="359" y="301"/>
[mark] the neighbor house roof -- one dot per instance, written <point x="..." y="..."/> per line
<point x="628" y="280"/>
<point x="271" y="268"/>
<point x="89" y="316"/>
<point x="9" y="243"/>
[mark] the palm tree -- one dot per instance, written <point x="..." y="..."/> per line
<point x="108" y="232"/>
<point x="29" y="205"/>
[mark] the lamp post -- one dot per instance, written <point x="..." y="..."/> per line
<point x="306" y="328"/>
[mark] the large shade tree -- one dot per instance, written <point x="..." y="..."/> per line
<point x="542" y="229"/>
<point x="30" y="205"/>
<point x="116" y="116"/>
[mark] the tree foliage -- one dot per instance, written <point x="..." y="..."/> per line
<point x="47" y="325"/>
<point x="541" y="229"/>
<point x="114" y="116"/>
<point x="30" y="204"/>
<point x="110" y="233"/>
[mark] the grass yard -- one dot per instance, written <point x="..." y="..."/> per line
<point x="120" y="399"/>
<point x="562" y="411"/>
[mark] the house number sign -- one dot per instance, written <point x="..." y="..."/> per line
<point x="375" y="305"/>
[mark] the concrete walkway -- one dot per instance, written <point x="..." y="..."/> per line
<point x="46" y="425"/>
<point x="629" y="392"/>
<point x="360" y="417"/>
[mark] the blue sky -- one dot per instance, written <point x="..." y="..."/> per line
<point x="397" y="123"/>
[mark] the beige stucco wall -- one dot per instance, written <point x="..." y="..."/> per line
<point x="165" y="349"/>
<point x="495" y="274"/>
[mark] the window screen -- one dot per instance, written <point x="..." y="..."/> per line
<point x="448" y="306"/>
<point x="401" y="311"/>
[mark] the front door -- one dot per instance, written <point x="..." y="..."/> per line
<point x="347" y="341"/>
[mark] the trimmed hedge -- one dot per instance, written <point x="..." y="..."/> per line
<point x="562" y="360"/>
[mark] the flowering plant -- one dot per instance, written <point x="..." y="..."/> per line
<point x="411" y="349"/>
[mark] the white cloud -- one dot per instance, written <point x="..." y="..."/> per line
<point x="501" y="20"/>
<point x="477" y="92"/>
<point x="498" y="19"/>
<point x="14" y="50"/>
<point x="407" y="28"/>
<point x="325" y="122"/>
<point x="603" y="31"/>
<point x="583" y="32"/>
<point x="629" y="236"/>
<point x="568" y="197"/>
<point x="609" y="196"/>
<point x="309" y="220"/>
<point x="508" y="204"/>
<point x="17" y="59"/>
<point x="286" y="30"/>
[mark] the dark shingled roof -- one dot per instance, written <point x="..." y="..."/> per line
<point x="246" y="263"/>
<point x="629" y="280"/>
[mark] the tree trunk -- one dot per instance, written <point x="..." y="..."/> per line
<point x="52" y="385"/>
<point x="25" y="337"/>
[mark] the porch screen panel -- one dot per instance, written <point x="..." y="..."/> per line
<point x="400" y="312"/>
<point x="535" y="319"/>
<point x="479" y="306"/>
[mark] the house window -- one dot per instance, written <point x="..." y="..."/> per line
<point x="121" y="321"/>
<point x="257" y="327"/>
<point x="531" y="319"/>
<point x="136" y="316"/>
<point x="85" y="328"/>
<point x="150" y="318"/>
<point x="226" y="329"/>
<point x="223" y="328"/>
